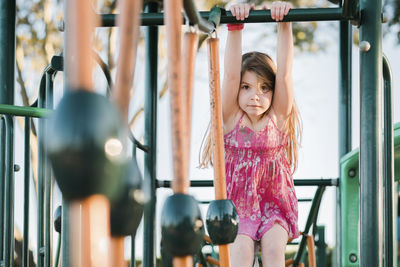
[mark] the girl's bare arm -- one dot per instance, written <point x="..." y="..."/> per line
<point x="231" y="79"/>
<point x="284" y="92"/>
<point x="233" y="64"/>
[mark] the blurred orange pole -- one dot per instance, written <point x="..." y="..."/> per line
<point x="311" y="251"/>
<point x="190" y="43"/>
<point x="129" y="23"/>
<point x="217" y="135"/>
<point x="80" y="21"/>
<point x="90" y="230"/>
<point x="117" y="251"/>
<point x="180" y="182"/>
<point x="173" y="20"/>
<point x="182" y="261"/>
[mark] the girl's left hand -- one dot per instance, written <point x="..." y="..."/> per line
<point x="279" y="10"/>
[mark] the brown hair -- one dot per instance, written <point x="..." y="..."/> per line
<point x="263" y="66"/>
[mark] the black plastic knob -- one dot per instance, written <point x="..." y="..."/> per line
<point x="84" y="144"/>
<point x="222" y="221"/>
<point x="182" y="228"/>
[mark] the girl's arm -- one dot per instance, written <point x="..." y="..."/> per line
<point x="284" y="92"/>
<point x="233" y="64"/>
<point x="231" y="80"/>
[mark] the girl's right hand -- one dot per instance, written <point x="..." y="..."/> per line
<point x="279" y="10"/>
<point x="241" y="11"/>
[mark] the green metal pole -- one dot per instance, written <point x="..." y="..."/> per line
<point x="48" y="180"/>
<point x="150" y="139"/>
<point x="58" y="249"/>
<point x="24" y="111"/>
<point x="7" y="78"/>
<point x="41" y="179"/>
<point x="195" y="19"/>
<point x="9" y="193"/>
<point x="345" y="79"/>
<point x="133" y="255"/>
<point x="321" y="246"/>
<point x="2" y="185"/>
<point x="390" y="222"/>
<point x="7" y="51"/>
<point x="371" y="203"/>
<point x="65" y="234"/>
<point x="27" y="172"/>
<point x="345" y="120"/>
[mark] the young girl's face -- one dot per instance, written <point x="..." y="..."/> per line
<point x="254" y="95"/>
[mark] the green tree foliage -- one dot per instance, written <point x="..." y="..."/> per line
<point x="37" y="41"/>
<point x="391" y="9"/>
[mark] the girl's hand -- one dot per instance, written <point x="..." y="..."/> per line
<point x="241" y="11"/>
<point x="279" y="10"/>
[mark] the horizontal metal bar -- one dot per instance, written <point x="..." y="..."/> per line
<point x="256" y="16"/>
<point x="299" y="200"/>
<point x="297" y="182"/>
<point x="24" y="111"/>
<point x="304" y="199"/>
<point x="41" y="113"/>
<point x="316" y="182"/>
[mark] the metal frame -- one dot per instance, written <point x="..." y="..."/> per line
<point x="371" y="199"/>
<point x="256" y="16"/>
<point x="370" y="163"/>
<point x="150" y="171"/>
<point x="390" y="221"/>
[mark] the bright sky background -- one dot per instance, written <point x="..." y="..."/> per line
<point x="316" y="90"/>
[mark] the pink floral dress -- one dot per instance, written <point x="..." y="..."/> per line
<point x="259" y="181"/>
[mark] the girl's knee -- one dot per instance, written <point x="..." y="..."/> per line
<point x="273" y="251"/>
<point x="273" y="243"/>
<point x="242" y="251"/>
<point x="243" y="248"/>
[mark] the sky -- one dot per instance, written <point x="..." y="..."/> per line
<point x="316" y="92"/>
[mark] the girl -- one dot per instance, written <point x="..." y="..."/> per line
<point x="261" y="130"/>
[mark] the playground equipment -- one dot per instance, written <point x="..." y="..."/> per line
<point x="365" y="166"/>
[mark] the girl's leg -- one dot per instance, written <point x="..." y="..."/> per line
<point x="242" y="251"/>
<point x="273" y="245"/>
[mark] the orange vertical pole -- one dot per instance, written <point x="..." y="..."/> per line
<point x="80" y="21"/>
<point x="89" y="235"/>
<point x="117" y="251"/>
<point x="129" y="23"/>
<point x="217" y="135"/>
<point x="173" y="21"/>
<point x="180" y="182"/>
<point x="311" y="251"/>
<point x="90" y="231"/>
<point x="190" y="43"/>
